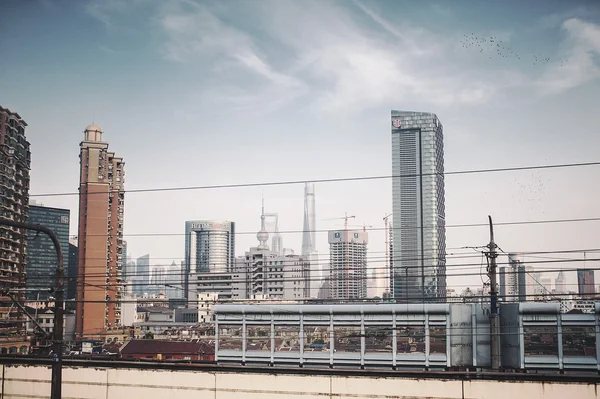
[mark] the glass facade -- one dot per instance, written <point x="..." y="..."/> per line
<point x="41" y="260"/>
<point x="141" y="283"/>
<point x="209" y="247"/>
<point x="585" y="282"/>
<point x="418" y="273"/>
<point x="71" y="282"/>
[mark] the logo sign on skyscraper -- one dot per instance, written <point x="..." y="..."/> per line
<point x="396" y="123"/>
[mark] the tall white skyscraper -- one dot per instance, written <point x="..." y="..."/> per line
<point x="560" y="284"/>
<point x="348" y="264"/>
<point x="309" y="248"/>
<point x="418" y="273"/>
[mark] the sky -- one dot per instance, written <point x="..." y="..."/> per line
<point x="197" y="93"/>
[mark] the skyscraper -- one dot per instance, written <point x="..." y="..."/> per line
<point x="585" y="282"/>
<point x="348" y="264"/>
<point x="101" y="207"/>
<point x="517" y="281"/>
<point x="71" y="273"/>
<point x="419" y="267"/>
<point x="560" y="283"/>
<point x="141" y="280"/>
<point x="15" y="160"/>
<point x="209" y="247"/>
<point x="174" y="288"/>
<point x="158" y="279"/>
<point x="41" y="259"/>
<point x="309" y="248"/>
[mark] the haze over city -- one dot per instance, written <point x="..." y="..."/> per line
<point x="285" y="198"/>
<point x="211" y="93"/>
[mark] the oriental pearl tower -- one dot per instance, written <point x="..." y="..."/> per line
<point x="262" y="235"/>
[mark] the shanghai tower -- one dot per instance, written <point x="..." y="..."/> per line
<point x="419" y="265"/>
<point x="309" y="251"/>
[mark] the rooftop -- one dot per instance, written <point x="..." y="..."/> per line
<point x="152" y="346"/>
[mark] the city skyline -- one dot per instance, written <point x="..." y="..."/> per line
<point x="502" y="111"/>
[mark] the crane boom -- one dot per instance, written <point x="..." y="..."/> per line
<point x="345" y="217"/>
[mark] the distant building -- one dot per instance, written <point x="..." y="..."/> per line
<point x="274" y="276"/>
<point x="228" y="285"/>
<point x="206" y="301"/>
<point x="42" y="260"/>
<point x="518" y="282"/>
<point x="186" y="315"/>
<point x="309" y="240"/>
<point x="158" y="279"/>
<point x="585" y="282"/>
<point x="128" y="311"/>
<point x="167" y="350"/>
<point x="348" y="264"/>
<point x="45" y="318"/>
<point x="174" y="288"/>
<point x="543" y="286"/>
<point x="560" y="283"/>
<point x="15" y="161"/>
<point x="325" y="290"/>
<point x="209" y="247"/>
<point x="271" y="275"/>
<point x="141" y="281"/>
<point x="419" y="267"/>
<point x="71" y="273"/>
<point x="100" y="234"/>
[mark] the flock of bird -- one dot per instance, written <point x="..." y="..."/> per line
<point x="492" y="44"/>
<point x="531" y="193"/>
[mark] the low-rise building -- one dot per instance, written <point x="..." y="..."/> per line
<point x="45" y="318"/>
<point x="167" y="350"/>
<point x="227" y="285"/>
<point x="186" y="315"/>
<point x="206" y="300"/>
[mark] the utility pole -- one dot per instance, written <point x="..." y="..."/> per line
<point x="59" y="299"/>
<point x="494" y="316"/>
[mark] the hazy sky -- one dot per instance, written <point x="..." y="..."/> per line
<point x="202" y="93"/>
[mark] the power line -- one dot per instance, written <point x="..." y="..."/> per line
<point x="393" y="228"/>
<point x="333" y="180"/>
<point x="384" y="274"/>
<point x="449" y="255"/>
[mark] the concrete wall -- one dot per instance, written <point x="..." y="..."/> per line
<point x="111" y="383"/>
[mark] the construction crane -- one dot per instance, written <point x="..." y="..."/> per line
<point x="364" y="226"/>
<point x="345" y="217"/>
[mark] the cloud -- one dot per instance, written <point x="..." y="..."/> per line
<point x="579" y="64"/>
<point x="112" y="12"/>
<point x="337" y="57"/>
<point x="555" y="20"/>
<point x="195" y="34"/>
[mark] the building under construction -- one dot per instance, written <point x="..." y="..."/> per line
<point x="15" y="159"/>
